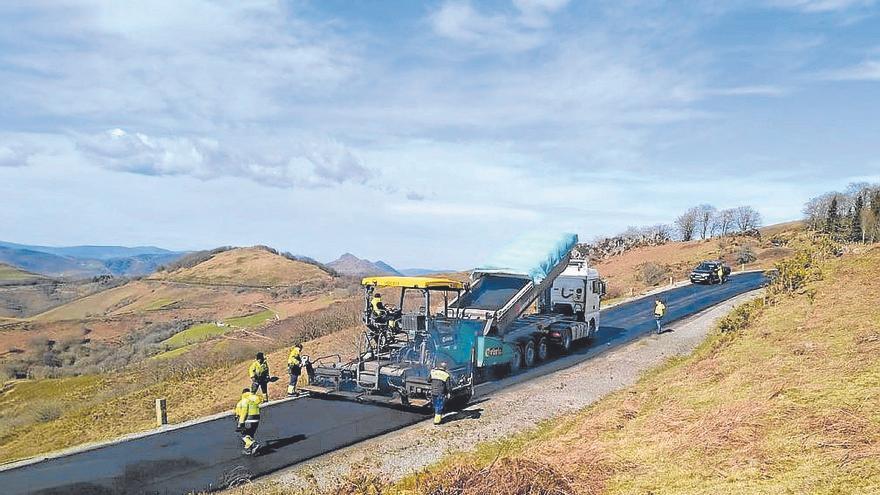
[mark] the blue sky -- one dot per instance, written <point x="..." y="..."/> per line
<point x="424" y="134"/>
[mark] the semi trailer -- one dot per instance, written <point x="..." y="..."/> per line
<point x="507" y="316"/>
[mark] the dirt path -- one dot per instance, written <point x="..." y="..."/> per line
<point x="511" y="410"/>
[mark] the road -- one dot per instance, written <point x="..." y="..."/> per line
<point x="207" y="456"/>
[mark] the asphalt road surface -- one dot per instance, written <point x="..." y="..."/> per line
<point x="207" y="456"/>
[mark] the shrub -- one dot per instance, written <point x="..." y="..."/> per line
<point x="746" y="254"/>
<point x="192" y="259"/>
<point x="740" y="317"/>
<point x="652" y="273"/>
<point x="47" y="411"/>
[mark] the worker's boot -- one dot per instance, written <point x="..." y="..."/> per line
<point x="438" y="418"/>
<point x="291" y="390"/>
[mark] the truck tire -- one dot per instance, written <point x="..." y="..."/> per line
<point x="529" y="354"/>
<point x="565" y="341"/>
<point x="516" y="362"/>
<point x="543" y="350"/>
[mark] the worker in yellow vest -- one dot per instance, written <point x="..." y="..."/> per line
<point x="377" y="306"/>
<point x="247" y="414"/>
<point x="294" y="367"/>
<point x="659" y="313"/>
<point x="259" y="375"/>
<point x="720" y="273"/>
<point x="439" y="390"/>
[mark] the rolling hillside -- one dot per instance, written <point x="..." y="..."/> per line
<point x="228" y="284"/>
<point x="12" y="275"/>
<point x="251" y="267"/>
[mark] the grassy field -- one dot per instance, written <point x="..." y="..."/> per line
<point x="11" y="274"/>
<point x="159" y="304"/>
<point x="207" y="331"/>
<point x="252" y="320"/>
<point x="193" y="334"/>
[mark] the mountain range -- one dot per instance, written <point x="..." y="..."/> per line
<point x="351" y="265"/>
<point x="76" y="262"/>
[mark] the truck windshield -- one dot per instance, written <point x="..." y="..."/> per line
<point x="706" y="266"/>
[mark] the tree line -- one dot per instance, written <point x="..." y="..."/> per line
<point x="852" y="215"/>
<point x="699" y="222"/>
<point x="705" y="221"/>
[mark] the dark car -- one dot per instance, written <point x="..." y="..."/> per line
<point x="707" y="273"/>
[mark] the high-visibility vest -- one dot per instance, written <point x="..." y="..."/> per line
<point x="375" y="303"/>
<point x="439" y="381"/>
<point x="294" y="358"/>
<point x="659" y="309"/>
<point x="248" y="408"/>
<point x="259" y="370"/>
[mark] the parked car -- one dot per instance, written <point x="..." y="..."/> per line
<point x="707" y="273"/>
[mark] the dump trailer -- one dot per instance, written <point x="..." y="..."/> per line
<point x="467" y="328"/>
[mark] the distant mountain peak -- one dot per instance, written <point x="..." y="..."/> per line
<point x="351" y="265"/>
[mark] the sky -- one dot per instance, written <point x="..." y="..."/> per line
<point x="426" y="134"/>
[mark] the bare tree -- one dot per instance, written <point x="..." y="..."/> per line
<point x="687" y="224"/>
<point x="705" y="219"/>
<point x="724" y="221"/>
<point x="746" y="218"/>
<point x="816" y="209"/>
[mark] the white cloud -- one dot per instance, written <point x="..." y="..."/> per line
<point x="868" y="70"/>
<point x="823" y="5"/>
<point x="748" y="91"/>
<point x="460" y="21"/>
<point x="176" y="64"/>
<point x="452" y="210"/>
<point x="12" y="157"/>
<point x="309" y="163"/>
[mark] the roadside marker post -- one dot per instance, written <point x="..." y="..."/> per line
<point x="161" y="413"/>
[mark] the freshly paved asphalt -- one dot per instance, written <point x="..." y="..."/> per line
<point x="207" y="456"/>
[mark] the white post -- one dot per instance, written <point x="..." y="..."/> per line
<point x="161" y="413"/>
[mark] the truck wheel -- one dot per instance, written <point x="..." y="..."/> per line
<point x="565" y="343"/>
<point x="516" y="362"/>
<point x="529" y="354"/>
<point x="543" y="350"/>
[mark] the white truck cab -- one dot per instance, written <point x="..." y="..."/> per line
<point x="578" y="291"/>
